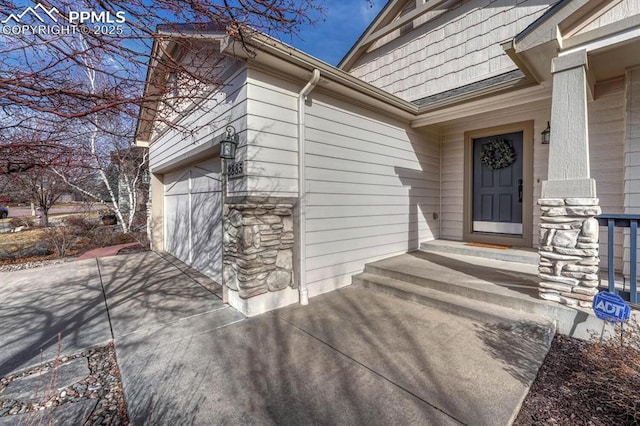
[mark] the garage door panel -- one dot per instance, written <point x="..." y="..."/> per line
<point x="177" y="226"/>
<point x="207" y="234"/>
<point x="203" y="181"/>
<point x="193" y="217"/>
<point x="177" y="183"/>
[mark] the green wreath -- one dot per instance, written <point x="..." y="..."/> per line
<point x="498" y="154"/>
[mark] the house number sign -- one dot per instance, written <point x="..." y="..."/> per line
<point x="236" y="169"/>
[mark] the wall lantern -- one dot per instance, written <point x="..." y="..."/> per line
<point x="228" y="144"/>
<point x="546" y="135"/>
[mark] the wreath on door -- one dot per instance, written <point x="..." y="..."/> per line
<point x="497" y="154"/>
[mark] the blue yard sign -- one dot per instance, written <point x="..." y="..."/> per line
<point x="611" y="307"/>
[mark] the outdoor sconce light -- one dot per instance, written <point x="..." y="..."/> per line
<point x="228" y="144"/>
<point x="546" y="135"/>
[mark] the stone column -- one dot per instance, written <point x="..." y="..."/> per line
<point x="569" y="259"/>
<point x="258" y="244"/>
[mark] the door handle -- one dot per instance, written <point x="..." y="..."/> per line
<point x="520" y="190"/>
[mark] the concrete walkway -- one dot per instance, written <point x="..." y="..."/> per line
<point x="350" y="357"/>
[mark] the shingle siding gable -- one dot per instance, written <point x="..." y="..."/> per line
<point x="457" y="48"/>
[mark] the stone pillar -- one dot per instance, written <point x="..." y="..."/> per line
<point x="258" y="244"/>
<point x="569" y="259"/>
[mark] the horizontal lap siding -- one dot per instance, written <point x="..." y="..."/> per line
<point x="455" y="48"/>
<point x="226" y="106"/>
<point x="372" y="190"/>
<point x="632" y="153"/>
<point x="606" y="145"/>
<point x="273" y="136"/>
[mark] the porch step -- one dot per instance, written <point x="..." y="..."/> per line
<point x="527" y="256"/>
<point x="474" y="287"/>
<point x="446" y="302"/>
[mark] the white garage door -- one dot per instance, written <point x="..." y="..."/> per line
<point x="193" y="217"/>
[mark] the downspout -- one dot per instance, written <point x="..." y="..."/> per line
<point x="302" y="188"/>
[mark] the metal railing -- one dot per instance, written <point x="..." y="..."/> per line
<point x="623" y="221"/>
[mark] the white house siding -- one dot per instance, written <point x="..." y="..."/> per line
<point x="272" y="134"/>
<point x="372" y="190"/>
<point x="606" y="143"/>
<point x="201" y="124"/>
<point x="459" y="47"/>
<point x="632" y="151"/>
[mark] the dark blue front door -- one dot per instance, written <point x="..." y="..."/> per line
<point x="497" y="184"/>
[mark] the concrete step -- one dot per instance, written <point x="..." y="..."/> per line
<point x="473" y="287"/>
<point x="518" y="296"/>
<point x="447" y="302"/>
<point x="519" y="255"/>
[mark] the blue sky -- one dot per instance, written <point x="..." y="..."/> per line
<point x="344" y="22"/>
<point x="330" y="38"/>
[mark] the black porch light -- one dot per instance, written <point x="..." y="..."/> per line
<point x="228" y="144"/>
<point x="546" y="135"/>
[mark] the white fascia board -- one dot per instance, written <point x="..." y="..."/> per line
<point x="506" y="100"/>
<point x="603" y="43"/>
<point x="292" y="62"/>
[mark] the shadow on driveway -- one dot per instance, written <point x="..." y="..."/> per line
<point x="351" y="357"/>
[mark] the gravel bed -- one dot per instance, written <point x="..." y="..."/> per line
<point x="582" y="383"/>
<point x="103" y="384"/>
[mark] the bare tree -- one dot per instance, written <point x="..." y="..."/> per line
<point x="86" y="85"/>
<point x="40" y="186"/>
<point x="40" y="73"/>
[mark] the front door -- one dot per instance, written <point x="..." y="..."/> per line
<point x="498" y="184"/>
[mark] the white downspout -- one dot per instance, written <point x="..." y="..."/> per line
<point x="302" y="188"/>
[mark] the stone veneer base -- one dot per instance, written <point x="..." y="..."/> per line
<point x="569" y="257"/>
<point x="258" y="242"/>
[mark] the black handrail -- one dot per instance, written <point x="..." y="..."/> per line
<point x="623" y="221"/>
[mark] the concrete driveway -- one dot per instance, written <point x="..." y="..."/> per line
<point x="350" y="357"/>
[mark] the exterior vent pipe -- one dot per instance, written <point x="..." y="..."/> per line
<point x="302" y="188"/>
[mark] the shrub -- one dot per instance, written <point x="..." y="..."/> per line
<point x="103" y="236"/>
<point x="60" y="238"/>
<point x="125" y="238"/>
<point x="16" y="222"/>
<point x="81" y="225"/>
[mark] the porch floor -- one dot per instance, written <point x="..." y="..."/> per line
<point x="528" y="256"/>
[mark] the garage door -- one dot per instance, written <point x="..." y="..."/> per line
<point x="193" y="217"/>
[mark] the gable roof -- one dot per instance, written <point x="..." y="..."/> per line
<point x="165" y="54"/>
<point x="394" y="15"/>
<point x="259" y="48"/>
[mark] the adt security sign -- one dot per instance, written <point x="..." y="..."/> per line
<point x="610" y="306"/>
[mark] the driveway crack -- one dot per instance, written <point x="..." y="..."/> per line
<point x="104" y="295"/>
